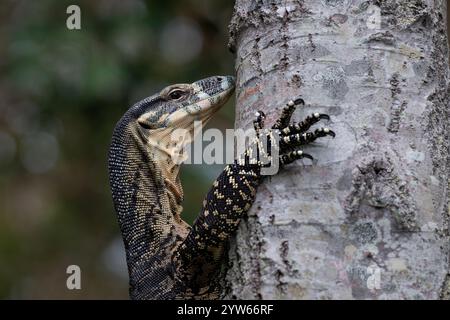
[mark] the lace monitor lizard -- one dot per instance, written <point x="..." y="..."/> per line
<point x="167" y="258"/>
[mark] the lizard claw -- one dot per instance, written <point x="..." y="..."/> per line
<point x="330" y="132"/>
<point x="260" y="114"/>
<point x="322" y="132"/>
<point x="294" y="155"/>
<point x="299" y="101"/>
<point x="308" y="156"/>
<point x="322" y="116"/>
<point x="258" y="124"/>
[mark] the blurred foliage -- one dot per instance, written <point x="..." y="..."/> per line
<point x="61" y="93"/>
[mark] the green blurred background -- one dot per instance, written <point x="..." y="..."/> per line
<point x="61" y="93"/>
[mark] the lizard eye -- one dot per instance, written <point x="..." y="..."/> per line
<point x="176" y="94"/>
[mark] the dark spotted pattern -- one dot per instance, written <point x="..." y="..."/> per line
<point x="167" y="259"/>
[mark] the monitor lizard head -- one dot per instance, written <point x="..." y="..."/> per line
<point x="159" y="127"/>
<point x="168" y="123"/>
<point x="182" y="104"/>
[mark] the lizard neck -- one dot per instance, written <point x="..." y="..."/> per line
<point x="170" y="173"/>
<point x="143" y="169"/>
<point x="145" y="192"/>
<point x="162" y="155"/>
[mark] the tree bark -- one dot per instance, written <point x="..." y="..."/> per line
<point x="369" y="219"/>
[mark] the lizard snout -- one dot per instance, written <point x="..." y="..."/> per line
<point x="213" y="86"/>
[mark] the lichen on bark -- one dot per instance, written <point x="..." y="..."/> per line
<point x="370" y="219"/>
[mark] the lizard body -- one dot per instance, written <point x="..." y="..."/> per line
<point x="168" y="259"/>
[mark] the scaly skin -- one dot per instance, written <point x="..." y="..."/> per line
<point x="167" y="259"/>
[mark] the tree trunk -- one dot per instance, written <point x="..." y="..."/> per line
<point x="370" y="219"/>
